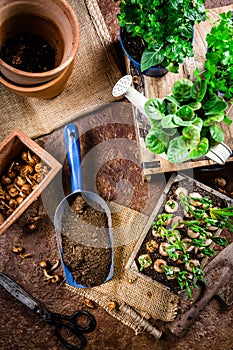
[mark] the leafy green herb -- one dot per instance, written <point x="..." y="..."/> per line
<point x="185" y="282"/>
<point x="225" y="216"/>
<point x="219" y="57"/>
<point x="165" y="27"/>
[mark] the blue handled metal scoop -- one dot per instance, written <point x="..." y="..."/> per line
<point x="71" y="225"/>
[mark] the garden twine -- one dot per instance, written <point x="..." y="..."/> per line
<point x="96" y="70"/>
<point x="148" y="298"/>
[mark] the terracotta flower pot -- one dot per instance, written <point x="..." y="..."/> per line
<point x="52" y="20"/>
<point x="43" y="91"/>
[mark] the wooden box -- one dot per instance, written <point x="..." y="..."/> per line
<point x="176" y="180"/>
<point x="10" y="149"/>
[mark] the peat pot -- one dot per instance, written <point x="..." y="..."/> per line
<point x="54" y="21"/>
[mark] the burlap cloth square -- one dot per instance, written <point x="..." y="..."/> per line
<point x="131" y="293"/>
<point x="95" y="73"/>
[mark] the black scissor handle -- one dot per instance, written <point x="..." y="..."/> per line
<point x="75" y="331"/>
<point x="74" y="318"/>
<point x="73" y="326"/>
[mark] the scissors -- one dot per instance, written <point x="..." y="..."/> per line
<point x="61" y="322"/>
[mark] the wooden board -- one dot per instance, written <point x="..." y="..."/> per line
<point x="159" y="87"/>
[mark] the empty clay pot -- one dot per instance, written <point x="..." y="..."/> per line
<point x="43" y="91"/>
<point x="52" y="20"/>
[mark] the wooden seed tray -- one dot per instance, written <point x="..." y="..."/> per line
<point x="159" y="208"/>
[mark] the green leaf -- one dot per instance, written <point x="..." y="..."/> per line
<point x="227" y="120"/>
<point x="198" y="90"/>
<point x="172" y="104"/>
<point x="155" y="108"/>
<point x="185" y="112"/>
<point x="180" y="122"/>
<point x="210" y="102"/>
<point x="167" y="121"/>
<point x="191" y="132"/>
<point x="154" y="142"/>
<point x="172" y="108"/>
<point x="213" y="119"/>
<point x="173" y="67"/>
<point x="177" y="151"/>
<point x="169" y="131"/>
<point x="181" y="90"/>
<point x="195" y="105"/>
<point x="217" y="133"/>
<point x="171" y="99"/>
<point x="222" y="241"/>
<point x="218" y="107"/>
<point x="152" y="57"/>
<point x="198" y="122"/>
<point x="189" y="143"/>
<point x="200" y="150"/>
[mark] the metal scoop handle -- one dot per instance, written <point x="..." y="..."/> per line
<point x="74" y="156"/>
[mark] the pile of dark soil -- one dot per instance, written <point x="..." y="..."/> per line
<point x="133" y="45"/>
<point x="85" y="242"/>
<point x="28" y="53"/>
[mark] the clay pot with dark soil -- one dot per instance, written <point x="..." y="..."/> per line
<point x="39" y="41"/>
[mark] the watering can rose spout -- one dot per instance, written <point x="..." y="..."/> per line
<point x="123" y="88"/>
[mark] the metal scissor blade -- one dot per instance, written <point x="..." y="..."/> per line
<point x="18" y="292"/>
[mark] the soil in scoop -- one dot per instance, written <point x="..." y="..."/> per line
<point x="85" y="242"/>
<point x="28" y="53"/>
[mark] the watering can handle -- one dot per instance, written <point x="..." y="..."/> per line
<point x="74" y="156"/>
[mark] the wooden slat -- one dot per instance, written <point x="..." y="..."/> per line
<point x="159" y="87"/>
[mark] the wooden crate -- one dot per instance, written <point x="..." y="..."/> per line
<point x="10" y="149"/>
<point x="159" y="87"/>
<point x="159" y="208"/>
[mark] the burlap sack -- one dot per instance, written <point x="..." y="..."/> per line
<point x="147" y="298"/>
<point x="95" y="73"/>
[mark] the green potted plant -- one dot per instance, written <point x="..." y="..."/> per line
<point x="219" y="57"/>
<point x="159" y="33"/>
<point x="184" y="125"/>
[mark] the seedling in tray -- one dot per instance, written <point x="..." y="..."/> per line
<point x="183" y="235"/>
